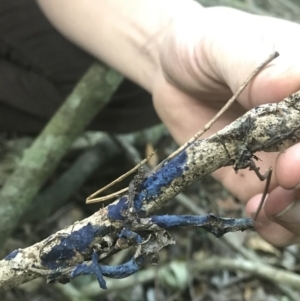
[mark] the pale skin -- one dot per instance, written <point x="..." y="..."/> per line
<point x="191" y="59"/>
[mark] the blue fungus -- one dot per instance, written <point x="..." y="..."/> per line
<point x="215" y="225"/>
<point x="115" y="210"/>
<point x="12" y="255"/>
<point x="81" y="269"/>
<point x="96" y="270"/>
<point x="169" y="221"/>
<point x="150" y="188"/>
<point x="92" y="268"/>
<point x="130" y="235"/>
<point x="117" y="272"/>
<point x="123" y="270"/>
<point x="77" y="241"/>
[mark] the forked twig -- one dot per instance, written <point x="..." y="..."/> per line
<point x="270" y="58"/>
<point x="91" y="199"/>
<point x="106" y="197"/>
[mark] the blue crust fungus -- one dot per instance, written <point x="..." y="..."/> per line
<point x="151" y="187"/>
<point x="79" y="241"/>
<point x="117" y="272"/>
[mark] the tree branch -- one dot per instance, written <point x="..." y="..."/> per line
<point x="68" y="253"/>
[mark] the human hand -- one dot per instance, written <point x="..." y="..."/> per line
<point x="206" y="55"/>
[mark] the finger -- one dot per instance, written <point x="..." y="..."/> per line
<point x="287" y="167"/>
<point x="267" y="228"/>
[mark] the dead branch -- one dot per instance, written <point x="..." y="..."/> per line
<point x="67" y="253"/>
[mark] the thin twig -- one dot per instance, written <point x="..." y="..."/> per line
<point x="225" y="107"/>
<point x="91" y="198"/>
<point x="106" y="197"/>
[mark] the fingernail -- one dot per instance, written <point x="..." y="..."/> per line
<point x="291" y="214"/>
